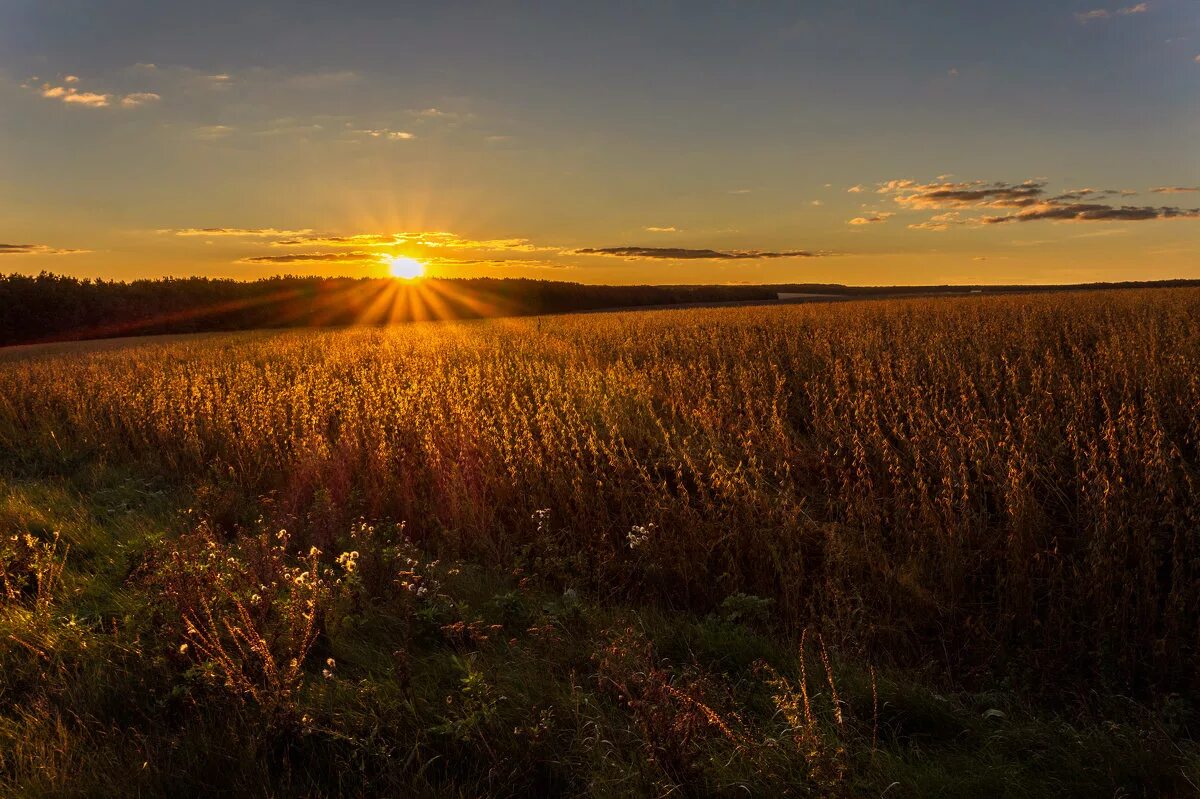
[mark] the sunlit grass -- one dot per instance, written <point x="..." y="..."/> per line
<point x="624" y="553"/>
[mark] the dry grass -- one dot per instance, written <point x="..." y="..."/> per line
<point x="986" y="482"/>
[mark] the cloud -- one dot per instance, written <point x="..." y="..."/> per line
<point x="71" y="95"/>
<point x="1094" y="212"/>
<point x="35" y="249"/>
<point x="210" y="232"/>
<point x="669" y="229"/>
<point x="432" y="239"/>
<point x="856" y="189"/>
<point x="389" y="135"/>
<point x="959" y="194"/>
<point x="1079" y="194"/>
<point x="210" y="132"/>
<point x="938" y="222"/>
<point x="424" y="114"/>
<point x="683" y="254"/>
<point x="1028" y="201"/>
<point x="1097" y="14"/>
<point x="881" y="216"/>
<point x="139" y="98"/>
<point x="500" y="263"/>
<point x="322" y="257"/>
<point x="1174" y="189"/>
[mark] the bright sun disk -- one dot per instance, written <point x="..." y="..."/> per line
<point x="407" y="268"/>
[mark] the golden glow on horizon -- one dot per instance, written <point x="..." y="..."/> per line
<point x="406" y="268"/>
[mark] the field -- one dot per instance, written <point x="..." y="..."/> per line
<point x="928" y="547"/>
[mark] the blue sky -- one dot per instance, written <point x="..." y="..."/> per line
<point x="172" y="138"/>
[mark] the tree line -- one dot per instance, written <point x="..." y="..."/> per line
<point x="50" y="307"/>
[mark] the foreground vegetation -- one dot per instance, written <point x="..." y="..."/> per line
<point x="922" y="547"/>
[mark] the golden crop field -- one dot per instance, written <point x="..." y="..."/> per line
<point x="1020" y="471"/>
<point x="988" y="484"/>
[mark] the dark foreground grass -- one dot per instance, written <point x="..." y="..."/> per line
<point x="133" y="672"/>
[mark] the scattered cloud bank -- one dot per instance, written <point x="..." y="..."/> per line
<point x="1027" y="201"/>
<point x="443" y="248"/>
<point x="684" y="254"/>
<point x="432" y="247"/>
<point x="71" y="95"/>
<point x="35" y="249"/>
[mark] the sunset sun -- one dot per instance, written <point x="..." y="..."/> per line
<point x="404" y="267"/>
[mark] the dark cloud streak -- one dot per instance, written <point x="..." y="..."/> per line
<point x="685" y="254"/>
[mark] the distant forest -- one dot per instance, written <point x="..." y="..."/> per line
<point x="50" y="307"/>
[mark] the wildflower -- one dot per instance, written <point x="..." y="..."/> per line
<point x="639" y="535"/>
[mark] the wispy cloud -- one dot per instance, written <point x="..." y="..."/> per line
<point x="1096" y="14"/>
<point x="386" y="134"/>
<point x="234" y="232"/>
<point x="209" y="132"/>
<point x="435" y="239"/>
<point x="351" y="256"/>
<point x="1174" y="189"/>
<point x="499" y="263"/>
<point x="938" y="222"/>
<point x="880" y="216"/>
<point x="35" y="249"/>
<point x="685" y="254"/>
<point x="667" y="229"/>
<point x="139" y="98"/>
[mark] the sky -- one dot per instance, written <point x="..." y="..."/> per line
<point x="731" y="141"/>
